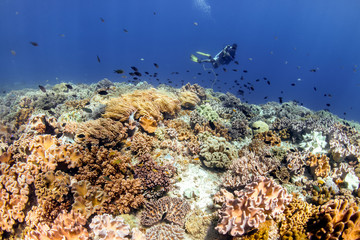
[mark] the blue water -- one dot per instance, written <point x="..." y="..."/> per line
<point x="285" y="40"/>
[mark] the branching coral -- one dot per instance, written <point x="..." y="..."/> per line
<point x="66" y="226"/>
<point x="156" y="179"/>
<point x="103" y="131"/>
<point x="149" y="103"/>
<point x="261" y="199"/>
<point x="297" y="214"/>
<point x="172" y="210"/>
<point x="337" y="219"/>
<point x="112" y="190"/>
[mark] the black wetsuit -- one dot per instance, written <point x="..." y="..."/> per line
<point x="222" y="58"/>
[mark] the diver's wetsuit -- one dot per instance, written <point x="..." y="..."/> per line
<point x="222" y="58"/>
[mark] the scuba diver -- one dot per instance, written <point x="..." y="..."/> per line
<point x="222" y="58"/>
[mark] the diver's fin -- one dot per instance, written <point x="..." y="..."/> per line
<point x="194" y="58"/>
<point x="204" y="54"/>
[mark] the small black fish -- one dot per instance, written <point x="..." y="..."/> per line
<point x="135" y="78"/>
<point x="68" y="86"/>
<point x="257" y="80"/>
<point x="245" y="71"/>
<point x="325" y="95"/>
<point x="252" y="88"/>
<point x="132" y="74"/>
<point x="119" y="71"/>
<point x="35" y="44"/>
<point x="265" y="97"/>
<point x="102" y="20"/>
<point x="225" y="70"/>
<point x="155" y="74"/>
<point x="328" y="104"/>
<point x="280" y="100"/>
<point x="169" y="81"/>
<point x="98" y="58"/>
<point x="264" y="78"/>
<point x="125" y="30"/>
<point x="88" y="110"/>
<point x="156" y="65"/>
<point x="212" y="125"/>
<point x="42" y="88"/>
<point x="236" y="62"/>
<point x="344" y="113"/>
<point x="147" y="73"/>
<point x="268" y="82"/>
<point x="51" y="112"/>
<point x="198" y="73"/>
<point x="329" y="95"/>
<point x="242" y="78"/>
<point x="102" y="92"/>
<point x="138" y="74"/>
<point x="281" y="92"/>
<point x="315" y="88"/>
<point x="313" y="70"/>
<point x="134" y="68"/>
<point x="293" y="84"/>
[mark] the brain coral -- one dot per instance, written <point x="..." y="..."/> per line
<point x="261" y="199"/>
<point x="216" y="152"/>
<point x="149" y="103"/>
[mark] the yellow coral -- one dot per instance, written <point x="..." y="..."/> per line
<point x="188" y="99"/>
<point x="149" y="103"/>
<point x="319" y="165"/>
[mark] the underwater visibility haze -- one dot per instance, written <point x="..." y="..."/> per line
<point x="122" y="113"/>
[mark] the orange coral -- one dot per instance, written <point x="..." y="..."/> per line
<point x="66" y="226"/>
<point x="319" y="164"/>
<point x="148" y="124"/>
<point x="188" y="99"/>
<point x="149" y="103"/>
<point x="269" y="137"/>
<point x="338" y="219"/>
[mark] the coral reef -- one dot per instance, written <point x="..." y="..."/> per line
<point x="107" y="227"/>
<point x="165" y="231"/>
<point x="172" y="210"/>
<point x="338" y="219"/>
<point x="319" y="165"/>
<point x="261" y="199"/>
<point x="216" y="152"/>
<point x="102" y="131"/>
<point x="188" y="99"/>
<point x="149" y="103"/>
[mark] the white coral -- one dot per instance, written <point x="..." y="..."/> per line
<point x="314" y="142"/>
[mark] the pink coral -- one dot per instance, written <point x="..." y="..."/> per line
<point x="261" y="199"/>
<point x="107" y="227"/>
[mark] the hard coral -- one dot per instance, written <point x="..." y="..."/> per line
<point x="102" y="131"/>
<point x="338" y="219"/>
<point x="66" y="226"/>
<point x="149" y="103"/>
<point x="269" y="137"/>
<point x="172" y="210"/>
<point x="261" y="199"/>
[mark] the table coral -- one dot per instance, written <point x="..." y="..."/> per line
<point x="102" y="131"/>
<point x="172" y="210"/>
<point x="261" y="199"/>
<point x="338" y="219"/>
<point x="149" y="103"/>
<point x="216" y="152"/>
<point x="66" y="226"/>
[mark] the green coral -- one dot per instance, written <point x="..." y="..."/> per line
<point x="208" y="112"/>
<point x="216" y="152"/>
